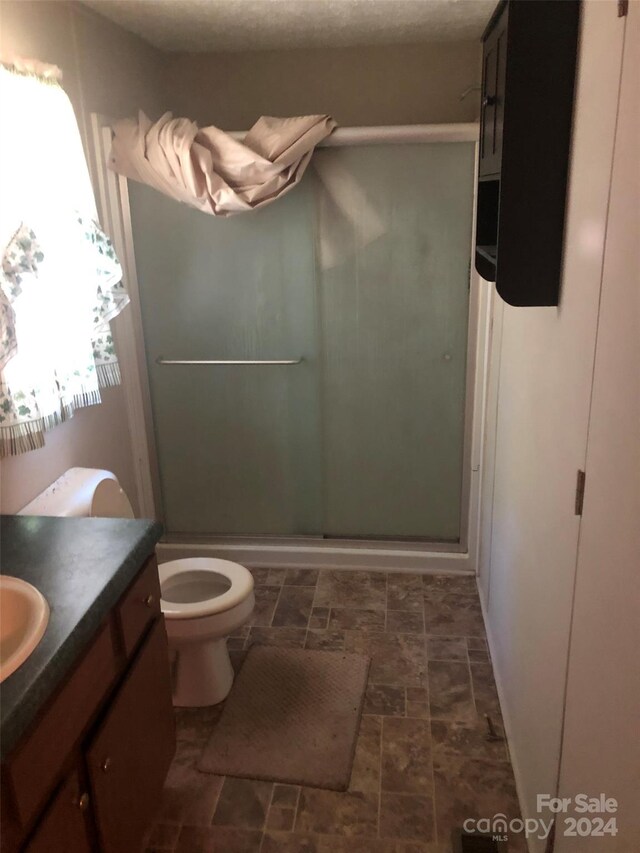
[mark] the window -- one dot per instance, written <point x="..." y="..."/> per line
<point x="60" y="280"/>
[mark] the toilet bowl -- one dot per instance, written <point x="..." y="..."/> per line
<point x="203" y="599"/>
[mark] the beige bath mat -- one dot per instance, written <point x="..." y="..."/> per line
<point x="292" y="716"/>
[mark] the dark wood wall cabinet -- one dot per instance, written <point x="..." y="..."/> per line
<point x="88" y="775"/>
<point x="528" y="77"/>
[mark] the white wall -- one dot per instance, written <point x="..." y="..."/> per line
<point x="601" y="745"/>
<point x="110" y="71"/>
<point x="492" y="394"/>
<point x="377" y="85"/>
<point x="542" y="367"/>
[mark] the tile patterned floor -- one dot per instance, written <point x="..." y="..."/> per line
<point x="423" y="761"/>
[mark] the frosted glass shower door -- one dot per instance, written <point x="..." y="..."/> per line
<point x="363" y="272"/>
<point x="394" y="251"/>
<point x="238" y="446"/>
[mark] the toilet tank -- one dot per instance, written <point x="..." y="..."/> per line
<point x="82" y="492"/>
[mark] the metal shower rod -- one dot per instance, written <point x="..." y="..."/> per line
<point x="390" y="134"/>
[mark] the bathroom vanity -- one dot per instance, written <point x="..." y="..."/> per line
<point x="87" y="721"/>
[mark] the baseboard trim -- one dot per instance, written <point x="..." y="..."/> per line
<point x="508" y="728"/>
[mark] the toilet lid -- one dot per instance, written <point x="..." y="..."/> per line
<point x="202" y="586"/>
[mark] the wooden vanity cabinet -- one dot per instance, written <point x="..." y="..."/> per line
<point x="128" y="758"/>
<point x="36" y="762"/>
<point x="88" y="775"/>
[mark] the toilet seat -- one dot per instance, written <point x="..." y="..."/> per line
<point x="194" y="570"/>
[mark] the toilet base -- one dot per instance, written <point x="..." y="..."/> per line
<point x="202" y="673"/>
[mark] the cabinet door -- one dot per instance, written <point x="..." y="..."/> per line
<point x="494" y="57"/>
<point x="129" y="757"/>
<point x="63" y="828"/>
<point x="495" y="161"/>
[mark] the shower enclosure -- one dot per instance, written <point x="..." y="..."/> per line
<point x="307" y="361"/>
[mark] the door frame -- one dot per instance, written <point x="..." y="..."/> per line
<point x="113" y="204"/>
<point x="112" y="198"/>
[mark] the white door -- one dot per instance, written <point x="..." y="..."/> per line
<point x="601" y="744"/>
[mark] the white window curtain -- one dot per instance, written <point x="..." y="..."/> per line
<point x="60" y="281"/>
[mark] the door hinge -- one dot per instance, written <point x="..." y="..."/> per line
<point x="580" y="481"/>
<point x="623" y="8"/>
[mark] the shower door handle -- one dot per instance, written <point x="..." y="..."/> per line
<point x="228" y="362"/>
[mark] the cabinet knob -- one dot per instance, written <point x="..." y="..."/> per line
<point x="489" y="100"/>
<point x="106" y="764"/>
<point x="82" y="802"/>
<point x="149" y="601"/>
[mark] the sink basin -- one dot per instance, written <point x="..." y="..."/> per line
<point x="24" y="614"/>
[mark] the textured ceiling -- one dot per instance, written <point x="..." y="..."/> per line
<point x="233" y="25"/>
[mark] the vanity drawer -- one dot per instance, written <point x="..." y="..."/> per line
<point x="34" y="767"/>
<point x="139" y="606"/>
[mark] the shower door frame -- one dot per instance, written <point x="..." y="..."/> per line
<point x="295" y="551"/>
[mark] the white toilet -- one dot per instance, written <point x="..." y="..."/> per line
<point x="203" y="599"/>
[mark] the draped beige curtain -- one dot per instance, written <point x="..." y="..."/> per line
<point x="209" y="169"/>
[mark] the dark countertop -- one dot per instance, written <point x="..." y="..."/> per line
<point x="82" y="566"/>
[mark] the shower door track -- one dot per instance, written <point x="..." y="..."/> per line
<point x="307" y="551"/>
